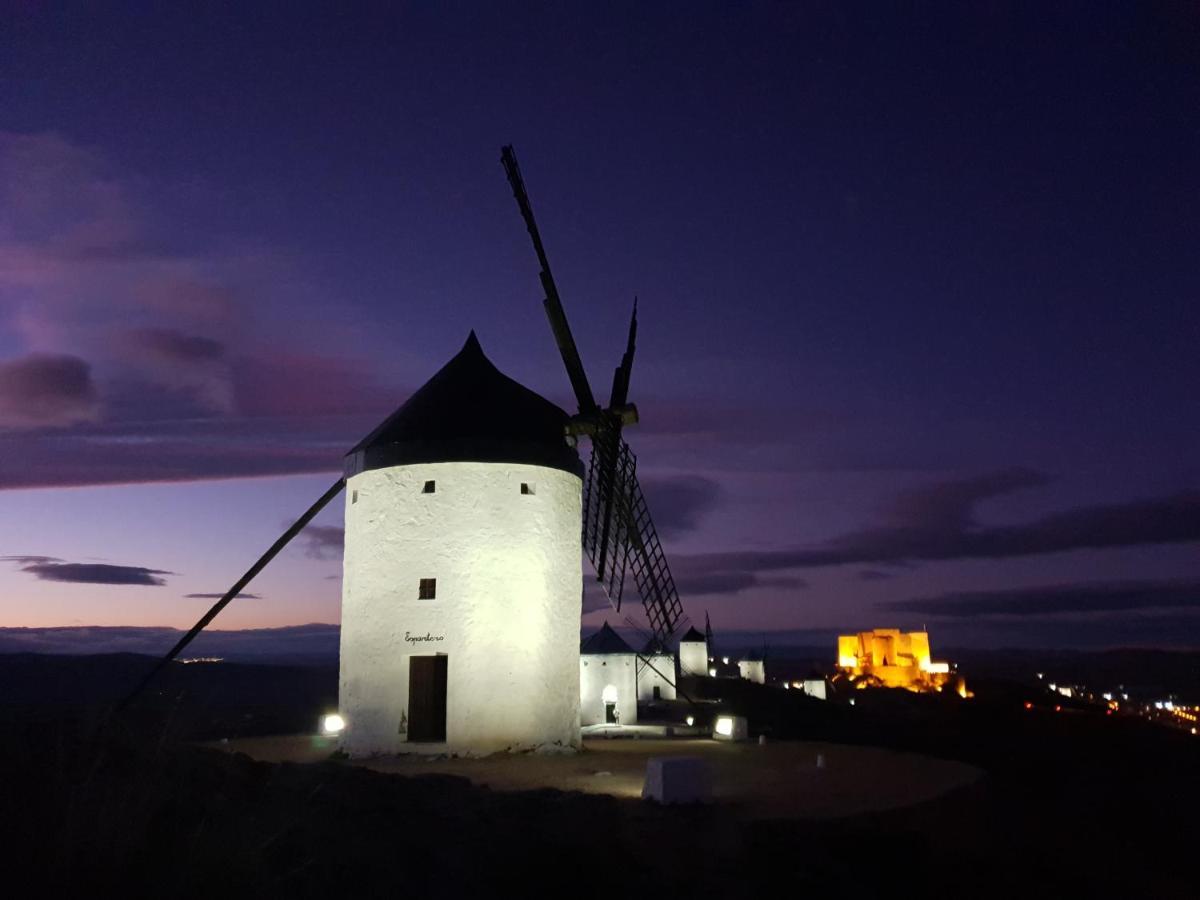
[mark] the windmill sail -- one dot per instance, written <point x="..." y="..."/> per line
<point x="630" y="543"/>
<point x="618" y="533"/>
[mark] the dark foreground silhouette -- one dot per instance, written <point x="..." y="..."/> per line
<point x="1073" y="803"/>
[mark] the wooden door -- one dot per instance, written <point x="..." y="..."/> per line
<point x="427" y="698"/>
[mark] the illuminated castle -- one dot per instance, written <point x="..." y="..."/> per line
<point x="888" y="657"/>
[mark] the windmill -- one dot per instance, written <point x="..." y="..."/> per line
<point x="618" y="533"/>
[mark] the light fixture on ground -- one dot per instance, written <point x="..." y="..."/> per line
<point x="730" y="728"/>
<point x="332" y="724"/>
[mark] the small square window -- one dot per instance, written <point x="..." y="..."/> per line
<point x="427" y="589"/>
<point x="430" y="487"/>
<point x="526" y="488"/>
<point x="354" y="496"/>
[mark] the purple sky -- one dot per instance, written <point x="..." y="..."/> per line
<point x="918" y="296"/>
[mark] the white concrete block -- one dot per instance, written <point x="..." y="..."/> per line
<point x="677" y="779"/>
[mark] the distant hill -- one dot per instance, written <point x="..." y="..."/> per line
<point x="1144" y="671"/>
<point x="202" y="700"/>
<point x="314" y="644"/>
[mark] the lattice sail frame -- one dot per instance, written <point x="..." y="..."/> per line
<point x="618" y="534"/>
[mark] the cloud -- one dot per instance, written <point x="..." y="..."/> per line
<point x="873" y="575"/>
<point x="191" y="368"/>
<point x="41" y="390"/>
<point x="679" y="503"/>
<point x="219" y="596"/>
<point x="950" y="505"/>
<point x="30" y="560"/>
<point x="46" y="568"/>
<point x="169" y="344"/>
<point x="187" y="449"/>
<point x="1098" y="597"/>
<point x="937" y="523"/>
<point x="733" y="582"/>
<point x="154" y="362"/>
<point x="323" y="541"/>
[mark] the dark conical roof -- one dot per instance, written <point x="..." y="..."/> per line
<point x="469" y="411"/>
<point x="692" y="636"/>
<point x="605" y="641"/>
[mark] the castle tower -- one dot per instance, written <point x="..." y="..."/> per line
<point x="462" y="583"/>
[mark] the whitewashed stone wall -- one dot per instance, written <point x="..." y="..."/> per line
<point x="600" y="670"/>
<point x="693" y="657"/>
<point x="509" y="590"/>
<point x="661" y="668"/>
<point x="753" y="670"/>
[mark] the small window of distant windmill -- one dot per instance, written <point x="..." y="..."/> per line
<point x="354" y="496"/>
<point x="427" y="590"/>
<point x="430" y="487"/>
<point x="527" y="488"/>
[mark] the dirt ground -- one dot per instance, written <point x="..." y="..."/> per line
<point x="776" y="780"/>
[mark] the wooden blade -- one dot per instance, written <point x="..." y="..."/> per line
<point x="620" y="386"/>
<point x="553" y="303"/>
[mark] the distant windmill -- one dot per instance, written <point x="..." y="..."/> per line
<point x="618" y="533"/>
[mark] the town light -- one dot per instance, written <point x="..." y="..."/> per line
<point x="691" y="720"/>
<point x="725" y="726"/>
<point x="332" y="724"/>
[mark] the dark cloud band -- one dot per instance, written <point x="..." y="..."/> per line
<point x="94" y="573"/>
<point x="1101" y="597"/>
<point x="937" y="524"/>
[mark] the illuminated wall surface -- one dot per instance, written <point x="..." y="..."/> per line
<point x="752" y="670"/>
<point x="506" y="610"/>
<point x="654" y="675"/>
<point x="610" y="677"/>
<point x="693" y="657"/>
<point x="892" y="658"/>
<point x="814" y="687"/>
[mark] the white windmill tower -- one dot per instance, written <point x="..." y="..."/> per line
<point x="462" y="581"/>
